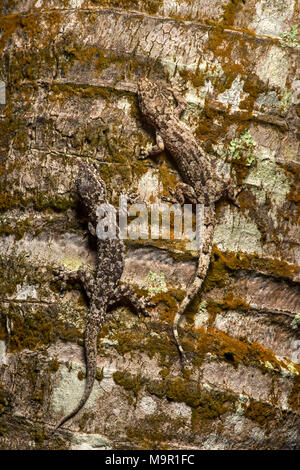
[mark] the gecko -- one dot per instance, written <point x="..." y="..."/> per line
<point x="103" y="288"/>
<point x="162" y="106"/>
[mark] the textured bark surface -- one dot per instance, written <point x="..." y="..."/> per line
<point x="69" y="72"/>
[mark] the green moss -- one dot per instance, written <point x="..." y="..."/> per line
<point x="99" y="375"/>
<point x="160" y="342"/>
<point x="167" y="303"/>
<point x="205" y="406"/>
<point x="35" y="329"/>
<point x="43" y="201"/>
<point x="39" y="436"/>
<point x="80" y="375"/>
<point x="210" y="407"/>
<point x="18" y="229"/>
<point x="229" y="302"/>
<point x="129" y="382"/>
<point x="229" y="12"/>
<point x="104" y="60"/>
<point x="150" y="6"/>
<point x="5" y="400"/>
<point x="13" y="270"/>
<point x="54" y="365"/>
<point x="223" y="264"/>
<point x="154" y="432"/>
<point x="37" y="199"/>
<point x="13" y="128"/>
<point x="61" y="91"/>
<point x="294" y="395"/>
<point x="234" y="351"/>
<point x="260" y="412"/>
<point x="176" y="389"/>
<point x="64" y="90"/>
<point x="10" y="200"/>
<point x="30" y="26"/>
<point x="29" y="333"/>
<point x="10" y="23"/>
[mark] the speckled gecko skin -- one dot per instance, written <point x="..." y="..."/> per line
<point x="201" y="184"/>
<point x="103" y="289"/>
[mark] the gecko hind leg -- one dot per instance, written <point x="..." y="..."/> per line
<point x="184" y="192"/>
<point x="125" y="293"/>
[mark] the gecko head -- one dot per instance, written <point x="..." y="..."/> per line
<point x="151" y="98"/>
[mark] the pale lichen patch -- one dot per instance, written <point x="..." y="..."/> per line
<point x="234" y="95"/>
<point x="89" y="442"/>
<point x="2" y="92"/>
<point x="25" y="291"/>
<point x="147" y="405"/>
<point x="70" y="389"/>
<point x="3" y="357"/>
<point x="272" y="16"/>
<point x="268" y="176"/>
<point x="149" y="186"/>
<point x="273" y="67"/>
<point x="236" y="233"/>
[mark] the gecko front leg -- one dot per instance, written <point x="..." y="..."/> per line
<point x="181" y="103"/>
<point x="82" y="276"/>
<point x="154" y="149"/>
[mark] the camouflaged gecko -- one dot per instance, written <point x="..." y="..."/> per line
<point x="201" y="184"/>
<point x="103" y="289"/>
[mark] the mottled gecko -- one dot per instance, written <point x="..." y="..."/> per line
<point x="202" y="184"/>
<point x="103" y="289"/>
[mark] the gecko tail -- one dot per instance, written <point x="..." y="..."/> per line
<point x="193" y="291"/>
<point x="82" y="402"/>
<point x="195" y="287"/>
<point x="91" y="368"/>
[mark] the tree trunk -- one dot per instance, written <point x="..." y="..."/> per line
<point x="68" y="88"/>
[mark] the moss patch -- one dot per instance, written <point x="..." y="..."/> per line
<point x="154" y="432"/>
<point x="34" y="329"/>
<point x="205" y="406"/>
<point x="150" y="6"/>
<point x="229" y="302"/>
<point x="224" y="264"/>
<point x="260" y="412"/>
<point x="128" y="381"/>
<point x="5" y="400"/>
<point x="294" y="395"/>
